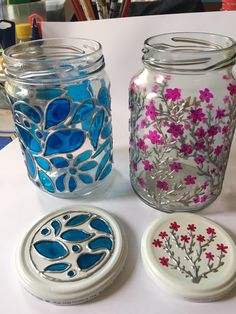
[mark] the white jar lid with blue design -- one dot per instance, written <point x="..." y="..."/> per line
<point x="190" y="256"/>
<point x="71" y="255"/>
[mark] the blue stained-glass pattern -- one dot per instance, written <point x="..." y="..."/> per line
<point x="71" y="273"/>
<point x="59" y="162"/>
<point x="29" y="140"/>
<point x="102" y="164"/>
<point x="46" y="181"/>
<point x="28" y="111"/>
<point x="104" y="97"/>
<point x="72" y="184"/>
<point x="106" y="172"/>
<point x="105" y="145"/>
<point x="75" y="235"/>
<point x="82" y="157"/>
<point x="96" y="127"/>
<point x="77" y="220"/>
<point x="60" y="183"/>
<point x="56" y="112"/>
<point x="56" y="226"/>
<point x="86" y="178"/>
<point x="79" y="92"/>
<point x="30" y="164"/>
<point x="86" y="261"/>
<point x="100" y="225"/>
<point x="58" y="267"/>
<point x="43" y="163"/>
<point x="106" y="131"/>
<point x="49" y="93"/>
<point x="45" y="231"/>
<point x="88" y="166"/>
<point x="101" y="242"/>
<point x="76" y="248"/>
<point x="64" y="141"/>
<point x="84" y="111"/>
<point x="51" y="249"/>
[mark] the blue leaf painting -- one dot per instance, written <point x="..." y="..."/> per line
<point x="64" y="141"/>
<point x="82" y="157"/>
<point x="51" y="249"/>
<point x="86" y="261"/>
<point x="46" y="181"/>
<point x="106" y="145"/>
<point x="106" y="172"/>
<point x="96" y="127"/>
<point x="77" y="220"/>
<point x="43" y="163"/>
<point x="56" y="224"/>
<point x="28" y="111"/>
<point x="57" y="268"/>
<point x="86" y="178"/>
<point x="100" y="225"/>
<point x="75" y="235"/>
<point x="79" y="92"/>
<point x="106" y="130"/>
<point x="72" y="184"/>
<point x="102" y="164"/>
<point x="57" y="111"/>
<point x="104" y="97"/>
<point x="59" y="162"/>
<point x="28" y="139"/>
<point x="60" y="183"/>
<point x="84" y="111"/>
<point x="100" y="243"/>
<point x="30" y="164"/>
<point x="88" y="165"/>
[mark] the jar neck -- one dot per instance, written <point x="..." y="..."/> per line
<point x="53" y="61"/>
<point x="189" y="52"/>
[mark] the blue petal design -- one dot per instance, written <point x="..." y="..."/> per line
<point x="82" y="157"/>
<point x="43" y="163"/>
<point x="102" y="164"/>
<point x="106" y="130"/>
<point x="88" y="260"/>
<point x="75" y="235"/>
<point x="88" y="166"/>
<point x="64" y="141"/>
<point x="56" y="226"/>
<point x="85" y="111"/>
<point x="51" y="249"/>
<point x="46" y="182"/>
<point x="104" y="97"/>
<point x="29" y="140"/>
<point x="28" y="111"/>
<point x="56" y="112"/>
<point x="79" y="92"/>
<point x="100" y="243"/>
<point x="96" y="127"/>
<point x="86" y="178"/>
<point x="72" y="184"/>
<point x="58" y="267"/>
<point x="100" y="225"/>
<point x="106" y="172"/>
<point x="86" y="124"/>
<point x="30" y="164"/>
<point x="77" y="220"/>
<point x="59" y="162"/>
<point x="45" y="231"/>
<point x="105" y="145"/>
<point x="48" y="93"/>
<point x="60" y="183"/>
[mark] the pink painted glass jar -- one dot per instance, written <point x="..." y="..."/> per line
<point x="183" y="117"/>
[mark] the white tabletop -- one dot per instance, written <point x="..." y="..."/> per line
<point x="22" y="204"/>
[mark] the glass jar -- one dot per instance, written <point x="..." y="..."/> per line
<point x="183" y="110"/>
<point x="60" y="97"/>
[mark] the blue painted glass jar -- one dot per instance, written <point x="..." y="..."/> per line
<point x="60" y="98"/>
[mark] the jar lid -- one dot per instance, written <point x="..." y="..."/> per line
<point x="190" y="256"/>
<point x="71" y="255"/>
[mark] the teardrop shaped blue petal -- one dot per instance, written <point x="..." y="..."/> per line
<point x="77" y="220"/>
<point x="56" y="112"/>
<point x="100" y="225"/>
<point x="102" y="164"/>
<point x="86" y="178"/>
<point x="88" y="165"/>
<point x="96" y="127"/>
<point x="104" y="97"/>
<point x="75" y="235"/>
<point x="56" y="226"/>
<point x="88" y="260"/>
<point x="59" y="162"/>
<point x="100" y="243"/>
<point x="60" y="183"/>
<point x="82" y="157"/>
<point x="46" y="182"/>
<point x="30" y="164"/>
<point x="29" y="140"/>
<point x="64" y="141"/>
<point x="106" y="172"/>
<point x="106" y="145"/>
<point x="106" y="130"/>
<point x="72" y="184"/>
<point x="85" y="110"/>
<point x="79" y="92"/>
<point x="58" y="267"/>
<point x="28" y="111"/>
<point x="43" y="163"/>
<point x="51" y="249"/>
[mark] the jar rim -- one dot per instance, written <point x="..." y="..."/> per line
<point x="71" y="53"/>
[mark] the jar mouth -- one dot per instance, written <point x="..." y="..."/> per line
<point x="189" y="51"/>
<point x="53" y="60"/>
